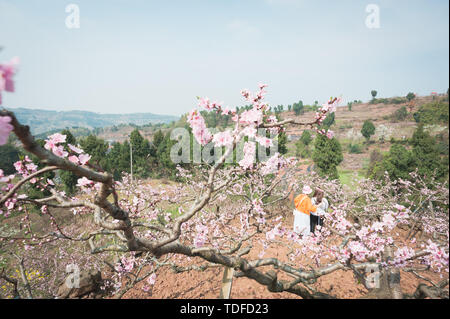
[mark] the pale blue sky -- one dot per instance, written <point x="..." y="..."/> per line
<point x="157" y="56"/>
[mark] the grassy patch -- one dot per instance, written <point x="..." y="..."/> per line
<point x="174" y="211"/>
<point x="347" y="177"/>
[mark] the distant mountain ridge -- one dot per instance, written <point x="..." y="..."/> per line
<point x="41" y="121"/>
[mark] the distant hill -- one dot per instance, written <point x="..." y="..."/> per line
<point x="41" y="121"/>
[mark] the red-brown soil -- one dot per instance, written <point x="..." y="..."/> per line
<point x="207" y="284"/>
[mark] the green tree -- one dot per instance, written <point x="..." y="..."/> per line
<point x="374" y="94"/>
<point x="328" y="121"/>
<point x="368" y="129"/>
<point x="69" y="137"/>
<point x="8" y="156"/>
<point x="142" y="151"/>
<point x="298" y="108"/>
<point x="124" y="159"/>
<point x="282" y="141"/>
<point x="163" y="155"/>
<point x="398" y="163"/>
<point x="141" y="146"/>
<point x="117" y="162"/>
<point x="96" y="148"/>
<point x="426" y="154"/>
<point x="306" y="137"/>
<point x="354" y="148"/>
<point x="327" y="156"/>
<point x="158" y="138"/>
<point x="432" y="113"/>
<point x="410" y="96"/>
<point x="302" y="150"/>
<point x="374" y="163"/>
<point x="401" y="114"/>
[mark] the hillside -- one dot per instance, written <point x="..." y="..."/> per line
<point x="347" y="128"/>
<point x="41" y="121"/>
<point x="348" y="124"/>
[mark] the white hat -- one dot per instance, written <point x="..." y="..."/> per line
<point x="306" y="190"/>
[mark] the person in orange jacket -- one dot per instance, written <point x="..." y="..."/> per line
<point x="302" y="212"/>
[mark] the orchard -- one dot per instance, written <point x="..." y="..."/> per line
<point x="220" y="214"/>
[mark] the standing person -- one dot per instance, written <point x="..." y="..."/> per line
<point x="322" y="207"/>
<point x="302" y="211"/>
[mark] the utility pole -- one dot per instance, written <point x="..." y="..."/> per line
<point x="131" y="160"/>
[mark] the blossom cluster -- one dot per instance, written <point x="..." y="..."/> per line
<point x="5" y="129"/>
<point x="24" y="167"/>
<point x="201" y="235"/>
<point x="7" y="72"/>
<point x="250" y="119"/>
<point x="197" y="123"/>
<point x="365" y="231"/>
<point x="323" y="111"/>
<point x="75" y="154"/>
<point x="247" y="123"/>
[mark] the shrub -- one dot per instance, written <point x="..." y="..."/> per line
<point x="298" y="108"/>
<point x="398" y="100"/>
<point x="327" y="156"/>
<point x="432" y="113"/>
<point x="425" y="156"/>
<point x="355" y="149"/>
<point x="443" y="143"/>
<point x="373" y="170"/>
<point x="302" y="150"/>
<point x="379" y="101"/>
<point x="306" y="137"/>
<point x="399" y="162"/>
<point x="400" y="115"/>
<point x="426" y="153"/>
<point x="368" y="129"/>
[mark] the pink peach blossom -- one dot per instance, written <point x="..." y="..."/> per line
<point x="5" y="129"/>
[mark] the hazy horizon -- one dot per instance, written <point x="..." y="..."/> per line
<point x="156" y="57"/>
<point x="81" y="110"/>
